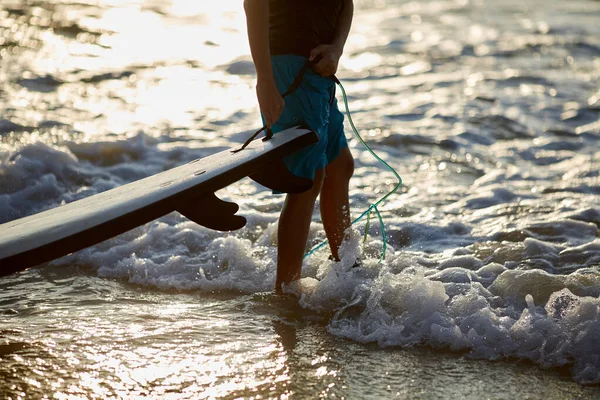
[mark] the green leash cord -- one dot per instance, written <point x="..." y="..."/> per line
<point x="378" y="202"/>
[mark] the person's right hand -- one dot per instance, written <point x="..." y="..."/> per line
<point x="270" y="101"/>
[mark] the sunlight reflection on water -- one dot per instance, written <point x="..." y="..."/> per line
<point x="488" y="109"/>
<point x="151" y="42"/>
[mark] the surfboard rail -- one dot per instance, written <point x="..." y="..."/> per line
<point x="189" y="189"/>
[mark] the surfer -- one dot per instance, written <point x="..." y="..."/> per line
<point x="284" y="35"/>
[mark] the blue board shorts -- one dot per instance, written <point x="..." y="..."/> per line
<point x="313" y="104"/>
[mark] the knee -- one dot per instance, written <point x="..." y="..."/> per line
<point x="342" y="168"/>
<point x="347" y="168"/>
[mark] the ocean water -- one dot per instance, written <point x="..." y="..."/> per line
<point x="490" y="112"/>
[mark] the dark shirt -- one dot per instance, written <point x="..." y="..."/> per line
<point x="298" y="26"/>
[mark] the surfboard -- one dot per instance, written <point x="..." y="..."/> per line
<point x="189" y="189"/>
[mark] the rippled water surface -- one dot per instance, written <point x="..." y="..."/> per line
<point x="489" y="110"/>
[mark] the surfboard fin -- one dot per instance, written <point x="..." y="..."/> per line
<point x="277" y="177"/>
<point x="213" y="213"/>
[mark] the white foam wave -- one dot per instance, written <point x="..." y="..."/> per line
<point x="174" y="253"/>
<point x="408" y="309"/>
<point x="491" y="302"/>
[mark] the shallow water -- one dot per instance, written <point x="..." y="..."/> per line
<point x="489" y="111"/>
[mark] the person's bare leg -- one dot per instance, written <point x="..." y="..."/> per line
<point x="292" y="232"/>
<point x="335" y="207"/>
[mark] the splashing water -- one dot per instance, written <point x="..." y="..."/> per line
<point x="489" y="111"/>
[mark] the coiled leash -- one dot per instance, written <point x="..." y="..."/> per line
<point x="373" y="206"/>
<point x="269" y="134"/>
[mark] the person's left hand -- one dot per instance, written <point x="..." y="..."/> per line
<point x="328" y="57"/>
